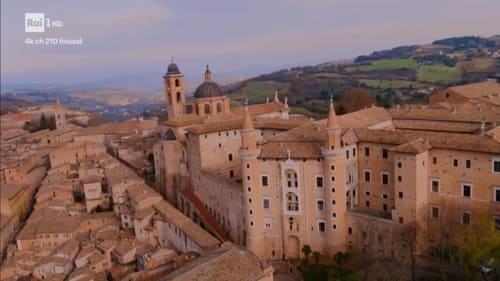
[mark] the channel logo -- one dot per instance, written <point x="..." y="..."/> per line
<point x="34" y="22"/>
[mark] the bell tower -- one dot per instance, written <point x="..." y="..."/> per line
<point x="59" y="115"/>
<point x="174" y="91"/>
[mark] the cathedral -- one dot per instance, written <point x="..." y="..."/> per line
<point x="273" y="181"/>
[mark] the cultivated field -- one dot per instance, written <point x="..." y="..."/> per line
<point x="438" y="73"/>
<point x="388" y="84"/>
<point x="385" y="65"/>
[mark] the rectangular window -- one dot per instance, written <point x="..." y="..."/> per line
<point x="319" y="181"/>
<point x="367" y="193"/>
<point x="496" y="219"/>
<point x="400" y="194"/>
<point x="385" y="154"/>
<point x="466" y="217"/>
<point x="455" y="162"/>
<point x="368" y="176"/>
<point x="496" y="194"/>
<point x="385" y="196"/>
<point x="321" y="205"/>
<point x="264" y="180"/>
<point x="267" y="223"/>
<point x="321" y="226"/>
<point x="399" y="165"/>
<point x="354" y="152"/>
<point x="496" y="166"/>
<point x="466" y="190"/>
<point x="385" y="177"/>
<point x="231" y="173"/>
<point x="434" y="212"/>
<point x="229" y="157"/>
<point x="367" y="151"/>
<point x="266" y="202"/>
<point x="467" y="164"/>
<point x="347" y="154"/>
<point x="435" y="185"/>
<point x="434" y="160"/>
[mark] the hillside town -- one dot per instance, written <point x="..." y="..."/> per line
<point x="218" y="192"/>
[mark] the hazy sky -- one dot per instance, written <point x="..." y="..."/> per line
<point x="123" y="37"/>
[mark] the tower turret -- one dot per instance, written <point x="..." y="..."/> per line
<point x="335" y="168"/>
<point x="253" y="234"/>
<point x="333" y="129"/>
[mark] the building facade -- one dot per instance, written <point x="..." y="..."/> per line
<point x="274" y="183"/>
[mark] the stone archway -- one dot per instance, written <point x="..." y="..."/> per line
<point x="292" y="249"/>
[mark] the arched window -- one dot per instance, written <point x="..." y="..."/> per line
<point x="291" y="178"/>
<point x="178" y="97"/>
<point x="292" y="202"/>
<point x="293" y="225"/>
<point x="219" y="107"/>
<point x="207" y="109"/>
<point x="177" y="83"/>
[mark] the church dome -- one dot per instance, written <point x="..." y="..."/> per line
<point x="208" y="89"/>
<point x="173" y="69"/>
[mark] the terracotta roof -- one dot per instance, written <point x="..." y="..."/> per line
<point x="12" y="133"/>
<point x="306" y="149"/>
<point x="229" y="262"/>
<point x="18" y="116"/>
<point x="416" y="146"/>
<point x="306" y="141"/>
<point x="140" y="191"/>
<point x="442" y="126"/>
<point x="494" y="133"/>
<point x="236" y="123"/>
<point x="260" y="109"/>
<point x="477" y="90"/>
<point x="445" y="115"/>
<point x="143" y="213"/>
<point x="52" y="224"/>
<point x="190" y="228"/>
<point x="478" y="143"/>
<point x="10" y="190"/>
<point x="122" y="127"/>
<point x="184" y="120"/>
<point x="230" y="124"/>
<point x="4" y="219"/>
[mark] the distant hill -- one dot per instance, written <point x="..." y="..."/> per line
<point x="467" y="42"/>
<point x="403" y="74"/>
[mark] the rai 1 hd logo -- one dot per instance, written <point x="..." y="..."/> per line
<point x="36" y="22"/>
<point x="39" y="23"/>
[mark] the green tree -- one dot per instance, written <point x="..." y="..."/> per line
<point x="340" y="258"/>
<point x="316" y="256"/>
<point x="44" y="123"/>
<point x="306" y="250"/>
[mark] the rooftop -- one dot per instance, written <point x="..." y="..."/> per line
<point x="477" y="90"/>
<point x="478" y="143"/>
<point x="229" y="262"/>
<point x="190" y="228"/>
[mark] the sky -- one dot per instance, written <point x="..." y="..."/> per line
<point x="236" y="38"/>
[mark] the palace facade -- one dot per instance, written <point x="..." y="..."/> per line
<point x="273" y="181"/>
